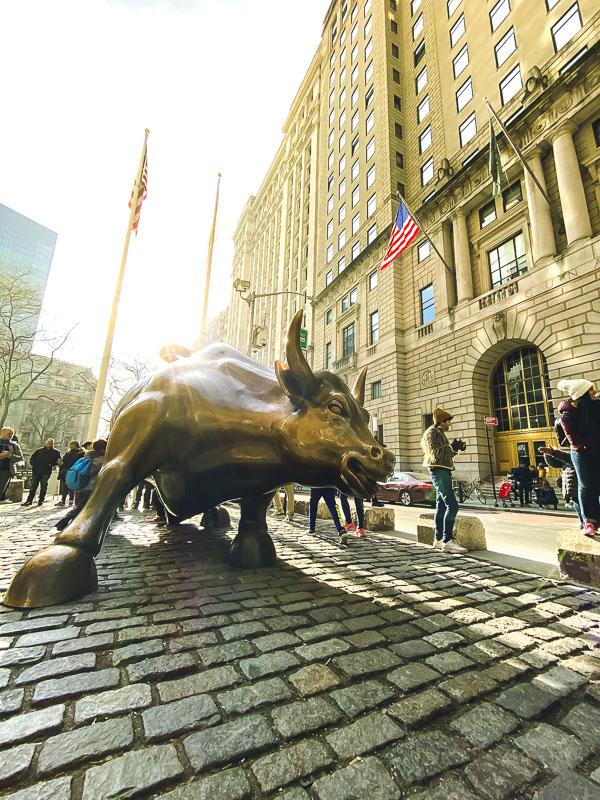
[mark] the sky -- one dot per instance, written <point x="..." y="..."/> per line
<point x="213" y="80"/>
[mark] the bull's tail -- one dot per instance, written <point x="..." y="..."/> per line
<point x="171" y="352"/>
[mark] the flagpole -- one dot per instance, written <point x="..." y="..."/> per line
<point x="99" y="395"/>
<point x="420" y="224"/>
<point x="211" y="243"/>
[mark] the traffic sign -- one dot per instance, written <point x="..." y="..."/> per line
<point x="491" y="420"/>
<point x="303" y="338"/>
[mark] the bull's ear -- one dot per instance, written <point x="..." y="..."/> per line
<point x="290" y="385"/>
<point x="358" y="390"/>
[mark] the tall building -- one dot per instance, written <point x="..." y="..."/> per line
<point x="26" y="251"/>
<point x="393" y="101"/>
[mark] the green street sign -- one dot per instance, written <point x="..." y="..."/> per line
<point x="303" y="338"/>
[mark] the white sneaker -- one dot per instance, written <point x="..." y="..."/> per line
<point x="437" y="544"/>
<point x="277" y="514"/>
<point x="452" y="547"/>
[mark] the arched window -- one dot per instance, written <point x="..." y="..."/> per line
<point x="521" y="390"/>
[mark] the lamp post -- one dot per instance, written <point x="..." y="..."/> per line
<point x="242" y="287"/>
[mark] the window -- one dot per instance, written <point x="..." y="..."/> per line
<point x="332" y="77"/>
<point x="511" y="84"/>
<point x="330" y="159"/>
<point x="328" y="355"/>
<point x="354" y="97"/>
<point x="354" y="53"/>
<point x="499" y="13"/>
<point x="342" y="118"/>
<point x="328" y="316"/>
<point x="331" y="121"/>
<point x="460" y="61"/>
<point x="354" y="145"/>
<point x="367" y="7"/>
<point x="328" y="278"/>
<point x="487" y="214"/>
<point x="427" y="306"/>
<point x="354" y="13"/>
<point x="354" y="171"/>
<point x="343" y="96"/>
<point x="371" y="177"/>
<point x="342" y="165"/>
<point x="505" y="47"/>
<point x="342" y="37"/>
<point x="551" y="3"/>
<point x="341" y="238"/>
<point x="467" y="129"/>
<point x="398" y="130"/>
<point x="421" y="80"/>
<point x="373" y="279"/>
<point x="355" y="195"/>
<point x="397" y="103"/>
<point x="354" y="121"/>
<point x="395" y="51"/>
<point x="566" y="27"/>
<point x="329" y="228"/>
<point x="521" y="391"/>
<point x="368" y="25"/>
<point x="348" y="346"/>
<point x="419" y="53"/>
<point x="342" y="141"/>
<point x="507" y="261"/>
<point x="330" y="181"/>
<point x="427" y="172"/>
<point x="464" y="94"/>
<point x="399" y="160"/>
<point x="343" y="76"/>
<point x="342" y="213"/>
<point x="341" y="264"/>
<point x="372" y="234"/>
<point x="452" y="6"/>
<point x="414" y="6"/>
<point x="425" y="139"/>
<point x="333" y="33"/>
<point x="374" y="327"/>
<point x="342" y="57"/>
<point x="369" y="72"/>
<point x="342" y="188"/>
<point x="330" y="204"/>
<point x="371" y="205"/>
<point x="423" y="108"/>
<point x="596" y="131"/>
<point x="329" y="253"/>
<point x="418" y="26"/>
<point x="355" y="250"/>
<point x="423" y="251"/>
<point x="368" y="48"/>
<point x="369" y="96"/>
<point x="353" y="297"/>
<point x="370" y="147"/>
<point x="512" y="196"/>
<point x="393" y="26"/>
<point x="331" y="136"/>
<point x="370" y="121"/>
<point x="457" y="30"/>
<point x="354" y="74"/>
<point x="354" y="33"/>
<point x="376" y="390"/>
<point x="355" y="223"/>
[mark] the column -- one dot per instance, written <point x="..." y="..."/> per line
<point x="540" y="220"/>
<point x="446" y="277"/>
<point x="462" y="258"/>
<point x="570" y="185"/>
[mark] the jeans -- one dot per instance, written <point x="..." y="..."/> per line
<point x="289" y="499"/>
<point x="446" y="504"/>
<point x="4" y="482"/>
<point x="65" y="491"/>
<point x="587" y="467"/>
<point x="524" y="490"/>
<point x="329" y="496"/>
<point x="360" y="510"/>
<point x="38" y="479"/>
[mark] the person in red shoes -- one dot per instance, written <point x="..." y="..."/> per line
<point x="349" y="526"/>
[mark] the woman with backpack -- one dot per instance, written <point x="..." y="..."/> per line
<point x="82" y="479"/>
<point x="73" y="454"/>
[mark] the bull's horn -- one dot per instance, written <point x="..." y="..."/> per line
<point x="358" y="390"/>
<point x="294" y="355"/>
<point x="171" y="352"/>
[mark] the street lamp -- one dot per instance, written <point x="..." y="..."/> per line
<point x="242" y="287"/>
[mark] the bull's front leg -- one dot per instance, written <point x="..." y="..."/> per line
<point x="253" y="547"/>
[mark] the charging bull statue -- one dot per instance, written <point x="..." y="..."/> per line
<point x="213" y="427"/>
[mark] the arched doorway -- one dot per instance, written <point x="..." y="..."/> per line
<point x="521" y="401"/>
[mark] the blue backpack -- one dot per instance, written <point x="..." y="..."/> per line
<point x="79" y="475"/>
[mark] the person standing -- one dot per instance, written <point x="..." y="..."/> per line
<point x="289" y="499"/>
<point x="73" y="454"/>
<point x="580" y="419"/>
<point x="43" y="461"/>
<point x="439" y="457"/>
<point x="522" y="477"/>
<point x="96" y="454"/>
<point x="329" y="496"/>
<point x="10" y="454"/>
<point x="360" y="514"/>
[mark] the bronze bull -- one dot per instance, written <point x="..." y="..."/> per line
<point x="213" y="427"/>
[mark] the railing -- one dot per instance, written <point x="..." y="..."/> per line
<point x="347" y="363"/>
<point x="371" y="350"/>
<point x="425" y="330"/>
<point x="499" y="294"/>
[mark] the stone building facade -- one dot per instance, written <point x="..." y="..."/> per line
<point x="394" y="102"/>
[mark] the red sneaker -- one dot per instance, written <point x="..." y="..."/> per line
<point x="360" y="532"/>
<point x="158" y="519"/>
<point x="589" y="529"/>
<point x="349" y="526"/>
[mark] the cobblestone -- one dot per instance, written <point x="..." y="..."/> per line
<point x="129" y="775"/>
<point x="225" y="742"/>
<point x="426" y="754"/>
<point x="106" y="704"/>
<point x="59" y="789"/>
<point x="167" y="720"/>
<point x="290" y="763"/>
<point x="27" y="726"/>
<point x="526" y="700"/>
<point x="420" y="707"/>
<point x="11" y="700"/>
<point x="268" y="664"/>
<point x="570" y="785"/>
<point x="73" y="685"/>
<point x="206" y="681"/>
<point x="412" y="676"/>
<point x="312" y="679"/>
<point x="133" y="652"/>
<point x="552" y="748"/>
<point x="57" y="666"/>
<point x="501" y="773"/>
<point x="246" y="698"/>
<point x="368" y="733"/>
<point x="223" y="653"/>
<point x="305" y="716"/>
<point x="584" y="721"/>
<point x="84" y="744"/>
<point x="231" y="784"/>
<point x="367" y="779"/>
<point x="15" y="762"/>
<point x="485" y="725"/>
<point x="355" y="699"/>
<point x="161" y="666"/>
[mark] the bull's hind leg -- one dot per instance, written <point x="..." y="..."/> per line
<point x="66" y="569"/>
<point x="253" y="547"/>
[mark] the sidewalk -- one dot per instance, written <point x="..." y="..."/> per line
<point x="383" y="670"/>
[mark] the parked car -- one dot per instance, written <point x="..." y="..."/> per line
<point x="407" y="488"/>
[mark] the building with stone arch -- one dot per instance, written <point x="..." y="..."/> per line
<point x="393" y="101"/>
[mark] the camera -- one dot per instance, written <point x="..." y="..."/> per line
<point x="458" y="444"/>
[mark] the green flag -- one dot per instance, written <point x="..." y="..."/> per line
<point x="495" y="165"/>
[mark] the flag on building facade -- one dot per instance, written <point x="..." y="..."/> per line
<point x="495" y="164"/>
<point x="404" y="231"/>
<point x="141" y="193"/>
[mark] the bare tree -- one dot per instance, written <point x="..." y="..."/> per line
<point x="22" y="372"/>
<point x="122" y="374"/>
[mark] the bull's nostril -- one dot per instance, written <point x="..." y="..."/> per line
<point x="376" y="452"/>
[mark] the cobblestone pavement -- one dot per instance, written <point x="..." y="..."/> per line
<point x="385" y="670"/>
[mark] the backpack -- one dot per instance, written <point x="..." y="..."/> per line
<point x="79" y="475"/>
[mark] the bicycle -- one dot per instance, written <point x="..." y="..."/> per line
<point x="464" y="491"/>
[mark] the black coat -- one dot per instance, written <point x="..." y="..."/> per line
<point x="69" y="458"/>
<point x="43" y="459"/>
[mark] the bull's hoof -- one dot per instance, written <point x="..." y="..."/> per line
<point x="252" y="548"/>
<point x="216" y="518"/>
<point x="54" y="575"/>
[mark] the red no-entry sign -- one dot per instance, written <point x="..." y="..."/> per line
<point x="491" y="420"/>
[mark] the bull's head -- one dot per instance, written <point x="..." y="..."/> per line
<point x="326" y="433"/>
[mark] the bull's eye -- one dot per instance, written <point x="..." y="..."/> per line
<point x="336" y="408"/>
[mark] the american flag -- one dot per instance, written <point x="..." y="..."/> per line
<point x="141" y="195"/>
<point x="404" y="231"/>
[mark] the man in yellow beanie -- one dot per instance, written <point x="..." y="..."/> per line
<point x="439" y="459"/>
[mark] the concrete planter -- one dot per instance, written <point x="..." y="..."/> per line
<point x="468" y="532"/>
<point x="578" y="557"/>
<point x="15" y="491"/>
